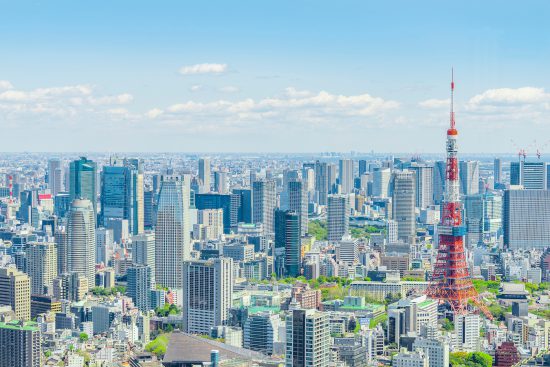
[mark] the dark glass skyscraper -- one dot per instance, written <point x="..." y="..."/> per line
<point x="82" y="181"/>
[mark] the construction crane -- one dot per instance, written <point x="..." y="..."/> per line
<point x="540" y="148"/>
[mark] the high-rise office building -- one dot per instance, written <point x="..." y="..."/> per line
<point x="81" y="239"/>
<point x="440" y="168"/>
<point x="207" y="294"/>
<point x="55" y="176"/>
<point x="526" y="219"/>
<point x="20" y="344"/>
<point x="212" y="220"/>
<point x="104" y="241"/>
<point x="230" y="203"/>
<point x="149" y="215"/>
<point x="82" y="181"/>
<point x="143" y="251"/>
<point x="404" y="195"/>
<point x="297" y="201"/>
<point x="362" y="167"/>
<point x="531" y="175"/>
<point x="139" y="286"/>
<point x="307" y="339"/>
<point x="172" y="233"/>
<point x="331" y="177"/>
<point x="467" y="332"/>
<point x="469" y="177"/>
<point x="122" y="193"/>
<point x="204" y="175"/>
<point x="261" y="331"/>
<point x="15" y="291"/>
<point x="337" y="217"/>
<point x="41" y="266"/>
<point x="287" y="237"/>
<point x="473" y="218"/>
<point x="264" y="201"/>
<point x="345" y="175"/>
<point x="245" y="209"/>
<point x="62" y="250"/>
<point x="321" y="182"/>
<point x="497" y="171"/>
<point x="381" y="182"/>
<point x="424" y="185"/>
<point x="221" y="182"/>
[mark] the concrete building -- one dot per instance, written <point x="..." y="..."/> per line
<point x="307" y="339"/>
<point x="381" y="182"/>
<point x="467" y="332"/>
<point x="204" y="175"/>
<point x="15" y="291"/>
<point x="41" y="266"/>
<point x="20" y="344"/>
<point x="139" y="286"/>
<point x="172" y="233"/>
<point x="337" y="217"/>
<point x="81" y="239"/>
<point x="411" y="359"/>
<point x="345" y="175"/>
<point x="437" y="351"/>
<point x="469" y="177"/>
<point x="297" y="201"/>
<point x="526" y="219"/>
<point x="264" y="202"/>
<point x="207" y="294"/>
<point x="404" y="196"/>
<point x="143" y="251"/>
<point x="424" y="185"/>
<point x="212" y="219"/>
<point x="261" y="331"/>
<point x="55" y="176"/>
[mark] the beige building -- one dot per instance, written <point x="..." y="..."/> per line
<point x="42" y="266"/>
<point x="15" y="291"/>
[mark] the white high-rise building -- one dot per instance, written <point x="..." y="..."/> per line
<point x="204" y="175"/>
<point x="212" y="219"/>
<point x="307" y="338"/>
<point x="348" y="251"/>
<point x="424" y="185"/>
<point x="391" y="231"/>
<point x="207" y="294"/>
<point x="41" y="266"/>
<point x="469" y="177"/>
<point x="172" y="233"/>
<point x="104" y="238"/>
<point x="55" y="176"/>
<point x="81" y="239"/>
<point x="264" y="202"/>
<point x="337" y="217"/>
<point x="437" y="351"/>
<point x="143" y="251"/>
<point x="381" y="182"/>
<point x="411" y="359"/>
<point x="467" y="332"/>
<point x="439" y="171"/>
<point x="403" y="205"/>
<point x="345" y="175"/>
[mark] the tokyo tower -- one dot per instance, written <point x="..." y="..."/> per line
<point x="451" y="282"/>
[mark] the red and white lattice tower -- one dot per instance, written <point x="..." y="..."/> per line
<point x="451" y="282"/>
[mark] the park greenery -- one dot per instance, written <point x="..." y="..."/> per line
<point x="167" y="309"/>
<point x="100" y="291"/>
<point x="364" y="231"/>
<point x="448" y="325"/>
<point x="318" y="229"/>
<point x="473" y="359"/>
<point x="158" y="345"/>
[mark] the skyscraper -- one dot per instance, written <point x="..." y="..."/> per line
<point x="41" y="266"/>
<point x="15" y="291"/>
<point x="469" y="177"/>
<point x="204" y="175"/>
<point x="345" y="175"/>
<point x="245" y="209"/>
<point x="439" y="181"/>
<point x="20" y="344"/>
<point x="337" y="217"/>
<point x="55" y="176"/>
<point x="531" y="175"/>
<point x="307" y="339"/>
<point x="207" y="294"/>
<point x="497" y="171"/>
<point x="297" y="201"/>
<point x="381" y="182"/>
<point x="81" y="239"/>
<point x="139" y="286"/>
<point x="143" y="251"/>
<point x="264" y="201"/>
<point x="172" y="233"/>
<point x="122" y="193"/>
<point x="404" y="196"/>
<point x="221" y="183"/>
<point x="362" y="167"/>
<point x="288" y="249"/>
<point x="82" y="181"/>
<point x="424" y="185"/>
<point x="526" y="219"/>
<point x="321" y="182"/>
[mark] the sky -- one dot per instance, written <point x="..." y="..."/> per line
<point x="273" y="76"/>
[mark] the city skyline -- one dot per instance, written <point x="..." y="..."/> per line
<point x="244" y="77"/>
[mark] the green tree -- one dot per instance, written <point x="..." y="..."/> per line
<point x="83" y="337"/>
<point x="481" y="359"/>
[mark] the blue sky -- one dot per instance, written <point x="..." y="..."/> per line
<point x="285" y="76"/>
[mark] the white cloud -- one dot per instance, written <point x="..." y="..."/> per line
<point x="4" y="84"/>
<point x="124" y="98"/>
<point x="203" y="69"/>
<point x="503" y="96"/>
<point x="154" y="113"/>
<point x="195" y="88"/>
<point x="294" y="93"/>
<point x="435" y="103"/>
